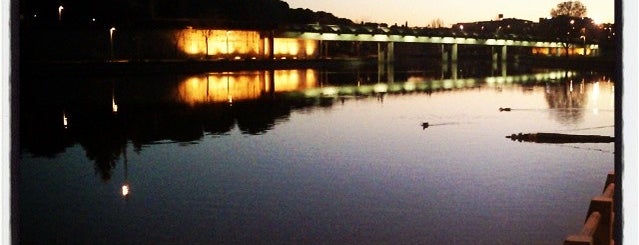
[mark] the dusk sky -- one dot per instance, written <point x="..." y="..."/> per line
<point x="422" y="12"/>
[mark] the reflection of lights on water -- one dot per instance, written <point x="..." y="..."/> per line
<point x="125" y="190"/>
<point x="571" y="86"/>
<point x="114" y="106"/>
<point x="65" y="121"/>
<point x="448" y="84"/>
<point x="380" y="88"/>
<point x="409" y="86"/>
<point x="594" y="96"/>
<point x="595" y="91"/>
<point x="329" y="91"/>
<point x="612" y="98"/>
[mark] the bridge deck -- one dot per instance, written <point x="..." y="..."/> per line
<point x="365" y="33"/>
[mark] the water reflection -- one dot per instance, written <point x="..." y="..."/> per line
<point x="103" y="115"/>
<point x="574" y="96"/>
<point x="242" y="86"/>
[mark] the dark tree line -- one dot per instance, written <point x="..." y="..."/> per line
<point x="253" y="13"/>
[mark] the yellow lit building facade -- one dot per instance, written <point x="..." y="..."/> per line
<point x="572" y="51"/>
<point x="241" y="44"/>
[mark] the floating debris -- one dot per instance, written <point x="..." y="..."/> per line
<point x="555" y="138"/>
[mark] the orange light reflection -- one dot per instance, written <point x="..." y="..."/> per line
<point x="228" y="87"/>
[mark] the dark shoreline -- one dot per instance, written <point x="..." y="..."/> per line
<point x="602" y="63"/>
<point x="143" y="67"/>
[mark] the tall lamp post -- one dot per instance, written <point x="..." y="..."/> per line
<point x="60" y="13"/>
<point x="111" y="40"/>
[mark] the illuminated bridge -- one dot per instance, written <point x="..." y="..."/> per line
<point x="445" y="37"/>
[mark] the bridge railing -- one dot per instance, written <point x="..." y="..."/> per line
<point x="411" y="31"/>
<point x="598" y="227"/>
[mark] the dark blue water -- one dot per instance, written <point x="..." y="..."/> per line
<point x="311" y="156"/>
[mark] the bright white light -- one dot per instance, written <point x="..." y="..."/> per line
<point x="125" y="190"/>
<point x="329" y="91"/>
<point x="114" y="106"/>
<point x="380" y="88"/>
<point x="409" y="86"/>
<point x="65" y="121"/>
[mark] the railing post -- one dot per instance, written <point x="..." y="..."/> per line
<point x="598" y="227"/>
<point x="585" y="236"/>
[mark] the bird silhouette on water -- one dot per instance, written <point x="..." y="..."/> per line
<point x="424" y="125"/>
<point x="504" y="109"/>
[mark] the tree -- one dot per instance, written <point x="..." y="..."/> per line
<point x="437" y="23"/>
<point x="569" y="8"/>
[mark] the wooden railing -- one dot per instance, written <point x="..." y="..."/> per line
<point x="598" y="227"/>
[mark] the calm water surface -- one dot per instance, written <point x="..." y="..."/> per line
<point x="311" y="156"/>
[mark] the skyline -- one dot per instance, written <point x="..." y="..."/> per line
<point x="450" y="12"/>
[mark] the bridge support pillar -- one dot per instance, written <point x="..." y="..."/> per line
<point x="453" y="70"/>
<point x="380" y="53"/>
<point x="390" y="57"/>
<point x="504" y="53"/>
<point x="386" y="54"/>
<point x="444" y="53"/>
<point x="453" y="53"/>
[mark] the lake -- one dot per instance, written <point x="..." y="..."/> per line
<point x="333" y="155"/>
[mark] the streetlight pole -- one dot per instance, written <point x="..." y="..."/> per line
<point x="60" y="13"/>
<point x="111" y="40"/>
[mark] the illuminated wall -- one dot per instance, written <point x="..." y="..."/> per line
<point x="288" y="47"/>
<point x="228" y="87"/>
<point x="222" y="43"/>
<point x="562" y="51"/>
<point x="241" y="44"/>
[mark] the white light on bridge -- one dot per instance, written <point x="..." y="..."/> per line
<point x="329" y="91"/>
<point x="409" y="86"/>
<point x="448" y="84"/>
<point x="380" y="88"/>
